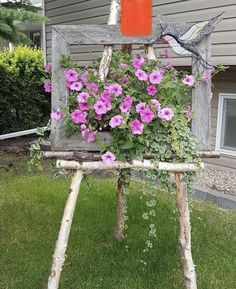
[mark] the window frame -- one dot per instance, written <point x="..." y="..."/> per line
<point x="222" y="97"/>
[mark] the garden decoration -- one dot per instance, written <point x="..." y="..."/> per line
<point x="146" y="133"/>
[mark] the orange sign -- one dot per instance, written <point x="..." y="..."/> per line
<point x="136" y="17"/>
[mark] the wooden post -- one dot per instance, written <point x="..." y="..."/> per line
<point x="185" y="233"/>
<point x="59" y="91"/>
<point x="121" y="200"/>
<point x="61" y="245"/>
<point x="120" y="205"/>
<point x="201" y="96"/>
<point x="150" y="52"/>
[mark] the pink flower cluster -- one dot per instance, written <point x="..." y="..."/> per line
<point x="113" y="106"/>
<point x="153" y="79"/>
<point x="47" y="86"/>
<point x="125" y="106"/>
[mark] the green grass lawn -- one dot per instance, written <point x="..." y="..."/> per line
<point x="31" y="209"/>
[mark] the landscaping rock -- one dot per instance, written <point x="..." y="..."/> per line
<point x="222" y="180"/>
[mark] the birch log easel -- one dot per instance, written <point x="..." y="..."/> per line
<point x="63" y="237"/>
<point x="67" y="150"/>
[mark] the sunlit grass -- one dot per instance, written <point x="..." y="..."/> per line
<point x="31" y="210"/>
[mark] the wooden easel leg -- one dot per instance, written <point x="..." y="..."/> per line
<point x="121" y="199"/>
<point x="185" y="233"/>
<point x="120" y="205"/>
<point x="61" y="244"/>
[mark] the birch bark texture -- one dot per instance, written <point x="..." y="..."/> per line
<point x="62" y="241"/>
<point x="107" y="53"/>
<point x="185" y="233"/>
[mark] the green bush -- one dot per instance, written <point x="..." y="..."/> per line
<point x="23" y="102"/>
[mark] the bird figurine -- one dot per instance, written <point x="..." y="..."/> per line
<point x="184" y="43"/>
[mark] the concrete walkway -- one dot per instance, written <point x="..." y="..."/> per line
<point x="220" y="199"/>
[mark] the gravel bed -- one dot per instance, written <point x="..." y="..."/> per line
<point x="222" y="180"/>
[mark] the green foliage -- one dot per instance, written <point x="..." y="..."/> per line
<point x="13" y="14"/>
<point x="23" y="102"/>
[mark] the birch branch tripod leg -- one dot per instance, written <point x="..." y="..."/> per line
<point x="120" y="205"/>
<point x="121" y="200"/>
<point x="150" y="52"/>
<point x="61" y="244"/>
<point x="107" y="53"/>
<point x="185" y="233"/>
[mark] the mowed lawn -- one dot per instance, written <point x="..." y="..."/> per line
<point x="31" y="208"/>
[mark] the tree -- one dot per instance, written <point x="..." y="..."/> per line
<point x="13" y="14"/>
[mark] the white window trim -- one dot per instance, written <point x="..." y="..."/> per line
<point x="222" y="97"/>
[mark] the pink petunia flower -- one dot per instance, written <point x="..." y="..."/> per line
<point x="84" y="78"/>
<point x="188" y="112"/>
<point x="76" y="86"/>
<point x="82" y="97"/>
<point x="108" y="106"/>
<point x="100" y="107"/>
<point x="128" y="99"/>
<point x="207" y="77"/>
<point x="98" y="117"/>
<point x="189" y="80"/>
<point x="140" y="107"/>
<point x="147" y="115"/>
<point x="156" y="103"/>
<point x="47" y="86"/>
<point x="78" y="116"/>
<point x="138" y="62"/>
<point x="57" y="115"/>
<point x="124" y="80"/>
<point x="122" y="65"/>
<point x="116" y="121"/>
<point x="71" y="75"/>
<point x="115" y="89"/>
<point x="151" y="90"/>
<point x="136" y="127"/>
<point x="166" y="54"/>
<point x="156" y="77"/>
<point x="141" y="75"/>
<point x="84" y="130"/>
<point x="124" y="107"/>
<point x="92" y="87"/>
<point x="166" y="114"/>
<point x="91" y="136"/>
<point x="106" y="96"/>
<point x="108" y="158"/>
<point x="48" y="67"/>
<point x="69" y="83"/>
<point x="83" y="106"/>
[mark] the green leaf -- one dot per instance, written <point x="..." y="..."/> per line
<point x="127" y="145"/>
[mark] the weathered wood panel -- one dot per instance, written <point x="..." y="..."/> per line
<point x="201" y="98"/>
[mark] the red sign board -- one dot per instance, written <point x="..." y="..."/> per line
<point x="136" y="17"/>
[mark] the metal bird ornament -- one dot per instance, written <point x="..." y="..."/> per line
<point x="184" y="43"/>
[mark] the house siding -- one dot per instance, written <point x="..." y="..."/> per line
<point x="96" y="12"/>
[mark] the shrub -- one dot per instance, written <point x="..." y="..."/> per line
<point x="23" y="102"/>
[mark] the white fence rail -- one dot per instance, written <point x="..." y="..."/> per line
<point x="21" y="133"/>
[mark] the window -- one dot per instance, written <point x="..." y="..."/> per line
<point x="35" y="37"/>
<point x="226" y="124"/>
